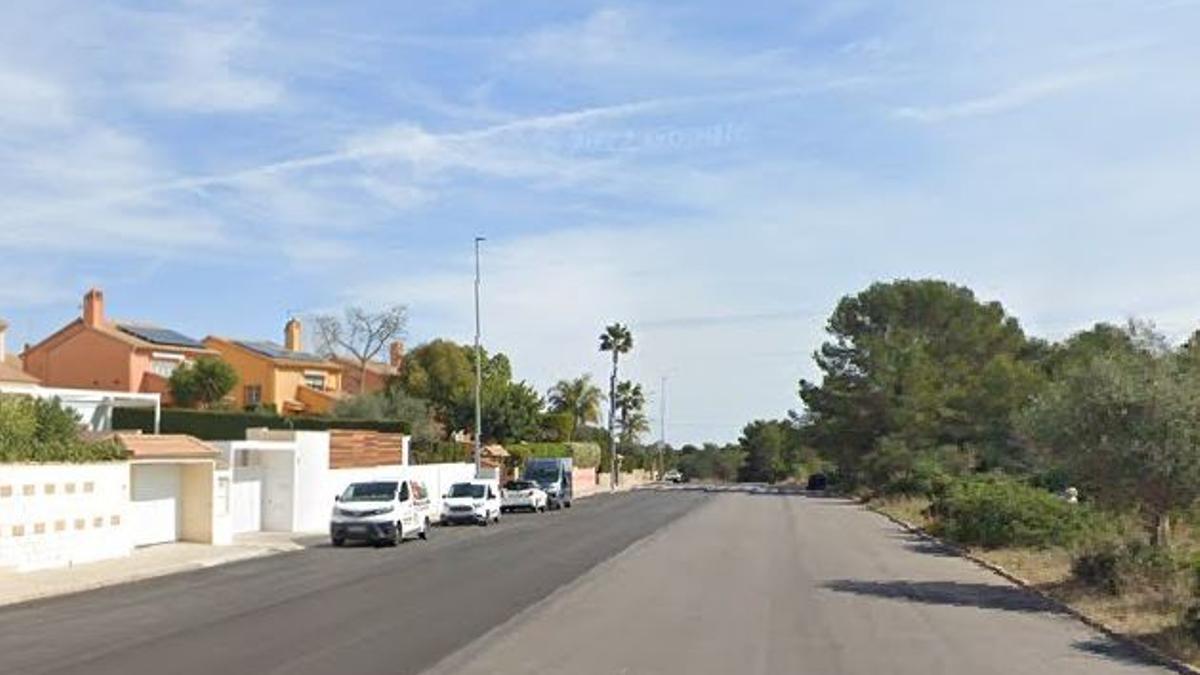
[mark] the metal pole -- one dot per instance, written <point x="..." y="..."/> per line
<point x="478" y="370"/>
<point x="662" y="427"/>
<point x="614" y="469"/>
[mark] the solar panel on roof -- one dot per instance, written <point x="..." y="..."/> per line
<point x="274" y="351"/>
<point x="160" y="336"/>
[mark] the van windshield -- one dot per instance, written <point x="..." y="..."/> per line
<point x="467" y="490"/>
<point x="542" y="474"/>
<point x="370" y="492"/>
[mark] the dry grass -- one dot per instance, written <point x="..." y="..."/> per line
<point x="1150" y="613"/>
<point x="909" y="509"/>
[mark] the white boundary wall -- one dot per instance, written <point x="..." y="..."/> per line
<point x="58" y="515"/>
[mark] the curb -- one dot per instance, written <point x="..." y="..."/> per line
<point x="1151" y="652"/>
<point x="135" y="577"/>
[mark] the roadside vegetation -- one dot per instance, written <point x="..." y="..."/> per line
<point x="37" y="430"/>
<point x="938" y="409"/>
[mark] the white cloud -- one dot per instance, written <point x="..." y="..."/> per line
<point x="1007" y="100"/>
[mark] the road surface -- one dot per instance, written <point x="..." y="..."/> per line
<point x="650" y="582"/>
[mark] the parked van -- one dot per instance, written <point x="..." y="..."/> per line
<point x="381" y="512"/>
<point x="553" y="475"/>
<point x="476" y="501"/>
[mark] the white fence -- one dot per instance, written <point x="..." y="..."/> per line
<point x="57" y="515"/>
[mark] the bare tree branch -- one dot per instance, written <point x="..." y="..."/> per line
<point x="360" y="334"/>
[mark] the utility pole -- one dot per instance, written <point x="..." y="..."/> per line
<point x="478" y="371"/>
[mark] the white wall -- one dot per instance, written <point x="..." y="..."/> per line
<point x="57" y="515"/>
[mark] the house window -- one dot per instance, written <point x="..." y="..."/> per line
<point x="164" y="364"/>
<point x="252" y="393"/>
<point x="315" y="381"/>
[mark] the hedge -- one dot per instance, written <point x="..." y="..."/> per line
<point x="231" y="426"/>
<point x="585" y="455"/>
<point x="995" y="511"/>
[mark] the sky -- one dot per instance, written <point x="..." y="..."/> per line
<point x="717" y="175"/>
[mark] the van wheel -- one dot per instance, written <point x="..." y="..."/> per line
<point x="338" y="542"/>
<point x="425" y="530"/>
<point x="399" y="536"/>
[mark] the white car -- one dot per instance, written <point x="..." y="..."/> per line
<point x="381" y="512"/>
<point x="476" y="501"/>
<point x="673" y="476"/>
<point x="523" y="495"/>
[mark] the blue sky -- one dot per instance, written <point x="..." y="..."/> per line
<point x="716" y="174"/>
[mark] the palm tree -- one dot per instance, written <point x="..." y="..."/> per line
<point x="579" y="398"/>
<point x="618" y="340"/>
<point x="630" y="401"/>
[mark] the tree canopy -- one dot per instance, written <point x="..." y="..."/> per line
<point x="923" y="362"/>
<point x="202" y="383"/>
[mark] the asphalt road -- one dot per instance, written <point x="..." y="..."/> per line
<point x="355" y="610"/>
<point x="650" y="582"/>
<point x="788" y="584"/>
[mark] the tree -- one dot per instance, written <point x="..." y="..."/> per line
<point x="922" y="362"/>
<point x="618" y="340"/>
<point x="1126" y="424"/>
<point x="631" y="417"/>
<point x="393" y="404"/>
<point x="203" y="382"/>
<point x="579" y="398"/>
<point x="766" y="446"/>
<point x="361" y="334"/>
<point x="440" y="372"/>
<point x="443" y="373"/>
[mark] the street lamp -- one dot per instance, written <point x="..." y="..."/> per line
<point x="478" y="370"/>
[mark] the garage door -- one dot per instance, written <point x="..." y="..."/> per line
<point x="156" y="503"/>
<point x="246" y="502"/>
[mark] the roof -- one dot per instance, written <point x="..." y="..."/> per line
<point x="166" y="446"/>
<point x="12" y="372"/>
<point x="377" y="367"/>
<point x="121" y="330"/>
<point x="494" y="451"/>
<point x="277" y="353"/>
<point x="157" y="335"/>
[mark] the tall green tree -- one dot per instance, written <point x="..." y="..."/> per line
<point x="616" y="339"/>
<point x="394" y="404"/>
<point x="1126" y="424"/>
<point x="631" y="415"/>
<point x="579" y="398"/>
<point x="443" y="373"/>
<point x="922" y="362"/>
<point x="202" y="383"/>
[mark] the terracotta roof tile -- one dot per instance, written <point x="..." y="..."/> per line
<point x="166" y="446"/>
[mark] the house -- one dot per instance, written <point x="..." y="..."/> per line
<point x="12" y="374"/>
<point x="94" y="352"/>
<point x="374" y="378"/>
<point x="284" y="377"/>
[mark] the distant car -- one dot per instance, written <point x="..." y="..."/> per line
<point x="381" y="512"/>
<point x="817" y="482"/>
<point x="524" y="495"/>
<point x="673" y="476"/>
<point x="476" y="501"/>
<point x="555" y="476"/>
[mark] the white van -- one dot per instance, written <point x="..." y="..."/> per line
<point x="381" y="512"/>
<point x="476" y="501"/>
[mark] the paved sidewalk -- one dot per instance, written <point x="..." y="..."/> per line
<point x="144" y="563"/>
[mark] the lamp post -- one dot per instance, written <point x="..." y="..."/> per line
<point x="478" y="370"/>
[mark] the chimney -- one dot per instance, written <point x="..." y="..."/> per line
<point x="396" y="354"/>
<point x="93" y="308"/>
<point x="291" y="336"/>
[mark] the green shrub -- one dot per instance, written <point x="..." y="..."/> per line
<point x="442" y="452"/>
<point x="1116" y="567"/>
<point x="41" y="430"/>
<point x="226" y="426"/>
<point x="584" y="455"/>
<point x="994" y="511"/>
